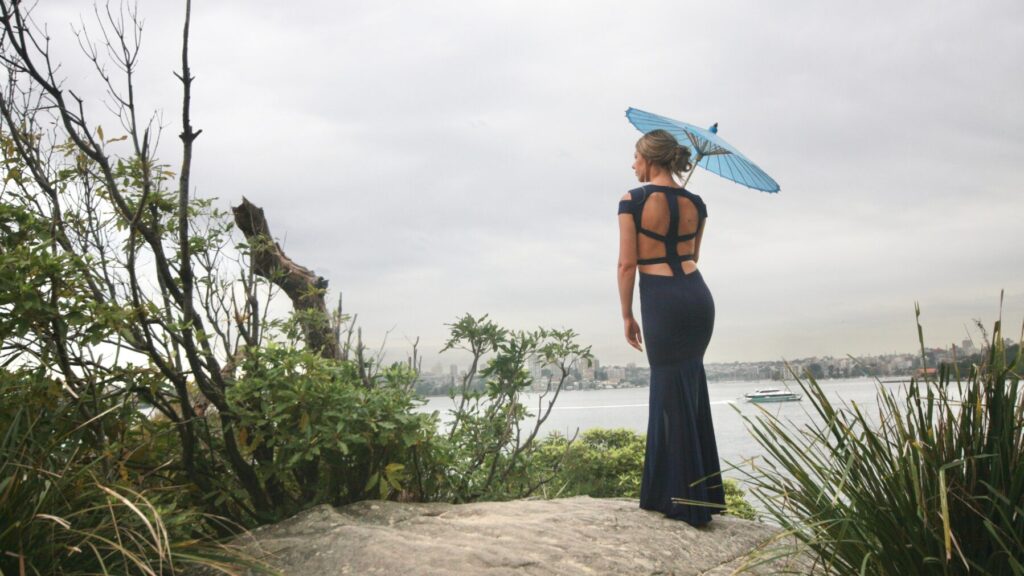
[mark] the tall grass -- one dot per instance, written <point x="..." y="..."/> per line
<point x="62" y="513"/>
<point x="932" y="483"/>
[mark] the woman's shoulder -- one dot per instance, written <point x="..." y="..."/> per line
<point x="630" y="201"/>
<point x="634" y="195"/>
<point x="698" y="202"/>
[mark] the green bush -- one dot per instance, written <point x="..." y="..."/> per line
<point x="65" y="505"/>
<point x="318" y="434"/>
<point x="608" y="463"/>
<point x="603" y="463"/>
<point x="933" y="483"/>
<point x="487" y="450"/>
<point x="736" y="503"/>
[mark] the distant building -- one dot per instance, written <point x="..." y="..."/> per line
<point x="534" y="366"/>
<point x="588" y="372"/>
<point x="902" y="364"/>
<point x="616" y="374"/>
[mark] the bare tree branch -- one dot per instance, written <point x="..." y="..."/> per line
<point x="305" y="289"/>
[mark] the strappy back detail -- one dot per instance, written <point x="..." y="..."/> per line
<point x="671" y="238"/>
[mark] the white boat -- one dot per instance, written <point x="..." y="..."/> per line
<point x="772" y="395"/>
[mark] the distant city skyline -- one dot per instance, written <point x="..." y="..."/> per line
<point x="899" y="360"/>
<point x="611" y="356"/>
<point x="437" y="158"/>
<point x="896" y="367"/>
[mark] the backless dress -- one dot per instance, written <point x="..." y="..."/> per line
<point x="678" y="316"/>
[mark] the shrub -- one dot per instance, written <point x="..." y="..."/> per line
<point x="608" y="463"/>
<point x="317" y="433"/>
<point x="487" y="449"/>
<point x="64" y="504"/>
<point x="933" y="484"/>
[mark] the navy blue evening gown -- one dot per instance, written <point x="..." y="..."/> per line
<point x="678" y="317"/>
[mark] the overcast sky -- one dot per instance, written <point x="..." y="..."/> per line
<point x="436" y="158"/>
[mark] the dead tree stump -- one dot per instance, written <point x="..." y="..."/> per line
<point x="305" y="289"/>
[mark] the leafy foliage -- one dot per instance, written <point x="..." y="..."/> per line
<point x="608" y="463"/>
<point x="486" y="452"/>
<point x="318" y="434"/>
<point x="147" y="400"/>
<point x="931" y="483"/>
<point x="602" y="463"/>
<point x="67" y="502"/>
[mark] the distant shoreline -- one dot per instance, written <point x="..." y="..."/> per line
<point x="712" y="383"/>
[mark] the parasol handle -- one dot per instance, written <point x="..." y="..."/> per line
<point x="693" y="167"/>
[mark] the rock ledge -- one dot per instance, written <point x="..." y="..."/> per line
<point x="579" y="535"/>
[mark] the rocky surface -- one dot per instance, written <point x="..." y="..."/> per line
<point x="566" y="536"/>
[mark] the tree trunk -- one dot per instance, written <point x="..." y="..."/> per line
<point x="304" y="287"/>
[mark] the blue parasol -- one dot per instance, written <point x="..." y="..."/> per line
<point x="707" y="150"/>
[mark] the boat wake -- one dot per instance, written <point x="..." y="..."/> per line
<point x="603" y="406"/>
<point x="644" y="405"/>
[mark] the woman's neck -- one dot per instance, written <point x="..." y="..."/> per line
<point x="664" y="180"/>
<point x="661" y="177"/>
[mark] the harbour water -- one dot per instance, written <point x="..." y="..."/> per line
<point x="627" y="408"/>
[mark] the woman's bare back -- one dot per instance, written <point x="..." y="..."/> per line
<point x="656" y="218"/>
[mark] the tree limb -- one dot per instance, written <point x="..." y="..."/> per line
<point x="304" y="288"/>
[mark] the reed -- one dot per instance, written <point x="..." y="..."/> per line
<point x="931" y="482"/>
<point x="62" y="512"/>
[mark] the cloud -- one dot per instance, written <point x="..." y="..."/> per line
<point x="441" y="157"/>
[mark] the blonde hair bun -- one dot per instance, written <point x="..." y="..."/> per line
<point x="661" y="148"/>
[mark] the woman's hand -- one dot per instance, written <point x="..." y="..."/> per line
<point x="633" y="335"/>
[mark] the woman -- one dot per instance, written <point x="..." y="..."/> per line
<point x="660" y="230"/>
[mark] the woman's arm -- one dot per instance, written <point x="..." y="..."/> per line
<point x="627" y="276"/>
